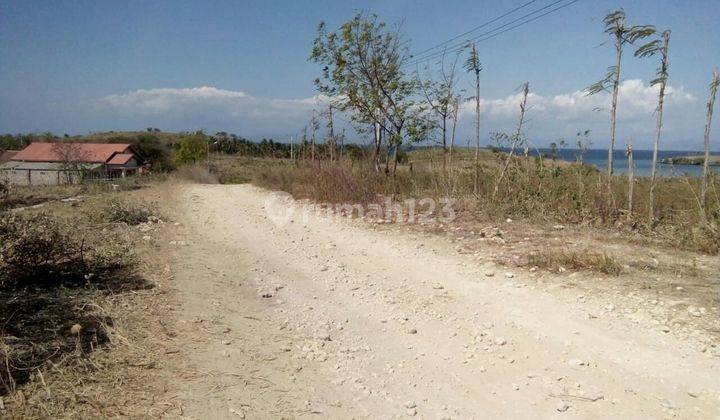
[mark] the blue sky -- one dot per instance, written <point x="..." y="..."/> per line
<point x="241" y="66"/>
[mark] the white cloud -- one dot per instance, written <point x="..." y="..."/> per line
<point x="161" y="100"/>
<point x="635" y="99"/>
<point x="549" y="116"/>
<point x="225" y="109"/>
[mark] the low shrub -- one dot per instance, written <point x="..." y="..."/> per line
<point x="196" y="173"/>
<point x="558" y="260"/>
<point x="123" y="212"/>
<point x="37" y="250"/>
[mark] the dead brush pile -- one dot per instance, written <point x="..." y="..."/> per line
<point x="561" y="260"/>
<point x="49" y="278"/>
<point x="123" y="212"/>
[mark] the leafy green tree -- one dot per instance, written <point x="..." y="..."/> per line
<point x="616" y="26"/>
<point x="362" y="71"/>
<point x="193" y="149"/>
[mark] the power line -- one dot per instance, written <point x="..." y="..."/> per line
<point x="489" y="34"/>
<point x="476" y="28"/>
<point x="458" y="46"/>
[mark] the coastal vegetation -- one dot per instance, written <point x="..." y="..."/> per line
<point x="366" y="74"/>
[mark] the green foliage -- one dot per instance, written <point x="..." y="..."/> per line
<point x="362" y="68"/>
<point x="152" y="149"/>
<point x="15" y="142"/>
<point x="193" y="149"/>
<point x="657" y="46"/>
<point x="616" y="26"/>
<point x="472" y="63"/>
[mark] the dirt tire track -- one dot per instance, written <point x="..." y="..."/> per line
<point x="334" y="320"/>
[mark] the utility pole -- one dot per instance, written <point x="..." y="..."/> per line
<point x="292" y="156"/>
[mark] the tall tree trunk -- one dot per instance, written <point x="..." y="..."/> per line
<point x="477" y="131"/>
<point x="516" y="139"/>
<point x="631" y="177"/>
<point x="456" y="104"/>
<point x="658" y="128"/>
<point x="332" y="133"/>
<point x="378" y="144"/>
<point x="304" y="144"/>
<point x="312" y="146"/>
<point x="613" y="109"/>
<point x="444" y="142"/>
<point x="342" y="145"/>
<point x="387" y="157"/>
<point x="292" y="155"/>
<point x="708" y="124"/>
<point x="395" y="157"/>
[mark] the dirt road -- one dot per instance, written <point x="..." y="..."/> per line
<point x="331" y="319"/>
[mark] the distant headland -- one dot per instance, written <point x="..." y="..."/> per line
<point x="690" y="160"/>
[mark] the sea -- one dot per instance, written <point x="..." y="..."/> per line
<point x="642" y="158"/>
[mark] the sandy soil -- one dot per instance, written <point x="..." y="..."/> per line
<point x="330" y="319"/>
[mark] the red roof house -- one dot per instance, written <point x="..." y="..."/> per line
<point x="84" y="152"/>
<point x="56" y="163"/>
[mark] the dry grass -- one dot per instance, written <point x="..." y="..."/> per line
<point x="34" y="195"/>
<point x="198" y="173"/>
<point x="571" y="194"/>
<point x="108" y="367"/>
<point x="561" y="260"/>
<point x="239" y="169"/>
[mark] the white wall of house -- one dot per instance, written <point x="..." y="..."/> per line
<point x="37" y="177"/>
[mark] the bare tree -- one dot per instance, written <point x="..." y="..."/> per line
<point x="516" y="140"/>
<point x="708" y="123"/>
<point x="73" y="159"/>
<point x="455" y="111"/>
<point x="616" y="26"/>
<point x="314" y="125"/>
<point x="332" y="141"/>
<point x="439" y="96"/>
<point x="657" y="46"/>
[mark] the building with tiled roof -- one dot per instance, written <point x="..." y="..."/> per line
<point x="58" y="163"/>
